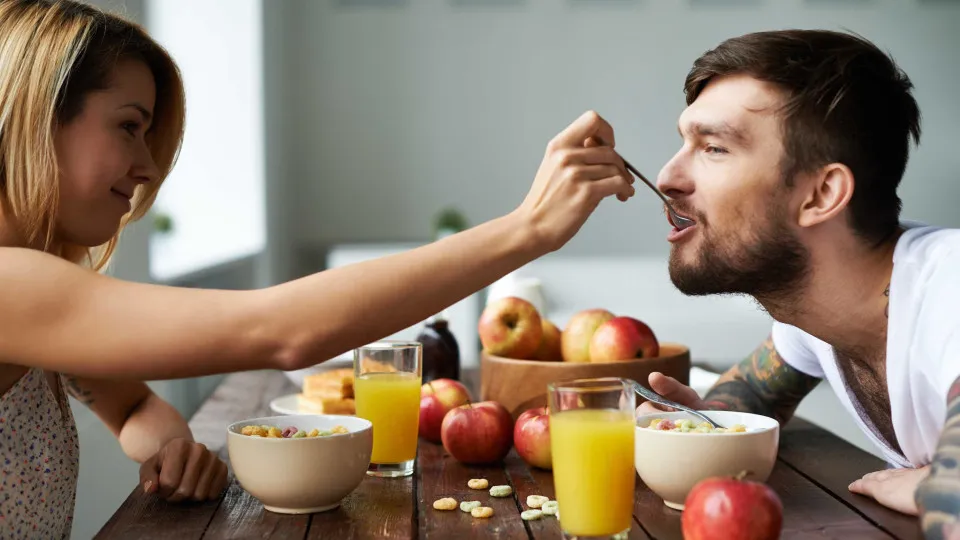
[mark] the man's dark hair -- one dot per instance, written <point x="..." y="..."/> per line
<point x="847" y="102"/>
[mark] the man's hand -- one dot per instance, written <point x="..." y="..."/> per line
<point x="184" y="470"/>
<point x="894" y="488"/>
<point x="673" y="390"/>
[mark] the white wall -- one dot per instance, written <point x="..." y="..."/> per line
<point x="395" y="111"/>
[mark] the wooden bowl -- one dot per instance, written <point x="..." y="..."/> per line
<point x="520" y="385"/>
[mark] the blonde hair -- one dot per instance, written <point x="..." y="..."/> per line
<point x="53" y="53"/>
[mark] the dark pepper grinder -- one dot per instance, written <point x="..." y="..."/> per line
<point x="441" y="354"/>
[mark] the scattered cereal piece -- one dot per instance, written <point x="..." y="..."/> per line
<point x="478" y="483"/>
<point x="468" y="506"/>
<point x="550" y="508"/>
<point x="274" y="433"/>
<point x="530" y="515"/>
<point x="254" y="431"/>
<point x="445" y="504"/>
<point x="340" y="429"/>
<point x="289" y="431"/>
<point x="299" y="435"/>
<point x="313" y="433"/>
<point x="482" y="512"/>
<point x="501" y="491"/>
<point x="536" y="501"/>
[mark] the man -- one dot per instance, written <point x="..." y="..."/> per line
<point x="794" y="143"/>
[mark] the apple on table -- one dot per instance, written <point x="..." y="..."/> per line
<point x="731" y="508"/>
<point x="478" y="433"/>
<point x="531" y="437"/>
<point x="510" y="327"/>
<point x="623" y="338"/>
<point x="437" y="398"/>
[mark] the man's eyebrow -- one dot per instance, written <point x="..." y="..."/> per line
<point x="717" y="129"/>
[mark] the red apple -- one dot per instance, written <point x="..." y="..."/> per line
<point x="732" y="509"/>
<point x="437" y="397"/>
<point x="510" y="327"/>
<point x="478" y="433"/>
<point x="531" y="437"/>
<point x="623" y="338"/>
<point x="549" y="343"/>
<point x="575" y="340"/>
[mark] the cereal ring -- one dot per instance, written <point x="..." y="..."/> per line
<point x="275" y="433"/>
<point x="501" y="491"/>
<point x="445" y="504"/>
<point x="478" y="483"/>
<point x="482" y="512"/>
<point x="530" y="515"/>
<point x="468" y="506"/>
<point x="313" y="433"/>
<point x="254" y="431"/>
<point x="550" y="508"/>
<point x="536" y="501"/>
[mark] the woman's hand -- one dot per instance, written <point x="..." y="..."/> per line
<point x="184" y="470"/>
<point x="579" y="170"/>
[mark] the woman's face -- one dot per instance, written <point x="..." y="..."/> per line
<point x="102" y="156"/>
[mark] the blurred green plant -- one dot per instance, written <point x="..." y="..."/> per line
<point x="449" y="219"/>
<point x="162" y="223"/>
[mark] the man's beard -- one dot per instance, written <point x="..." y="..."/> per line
<point x="770" y="267"/>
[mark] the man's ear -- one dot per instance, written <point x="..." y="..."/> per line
<point x="826" y="193"/>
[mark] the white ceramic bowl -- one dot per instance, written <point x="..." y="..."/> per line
<point x="305" y="475"/>
<point x="670" y="463"/>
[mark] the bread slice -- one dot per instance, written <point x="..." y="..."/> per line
<point x="325" y="405"/>
<point x="336" y="383"/>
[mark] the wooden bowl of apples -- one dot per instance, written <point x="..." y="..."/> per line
<point x="523" y="352"/>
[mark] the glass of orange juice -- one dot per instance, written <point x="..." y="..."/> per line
<point x="592" y="441"/>
<point x="386" y="389"/>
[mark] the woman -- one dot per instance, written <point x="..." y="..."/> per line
<point x="91" y="119"/>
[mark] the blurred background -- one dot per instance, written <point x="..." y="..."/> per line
<point x="324" y="132"/>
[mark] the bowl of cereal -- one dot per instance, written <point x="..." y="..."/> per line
<point x="300" y="464"/>
<point x="675" y="450"/>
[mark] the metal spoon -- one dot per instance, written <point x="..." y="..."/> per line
<point x="657" y="398"/>
<point x="679" y="221"/>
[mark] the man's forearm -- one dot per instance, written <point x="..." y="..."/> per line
<point x="762" y="384"/>
<point x="152" y="424"/>
<point x="938" y="496"/>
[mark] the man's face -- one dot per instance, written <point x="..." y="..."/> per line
<point x="727" y="177"/>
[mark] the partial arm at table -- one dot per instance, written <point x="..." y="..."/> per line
<point x="763" y="383"/>
<point x="938" y="496"/>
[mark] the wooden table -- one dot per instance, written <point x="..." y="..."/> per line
<point x="811" y="477"/>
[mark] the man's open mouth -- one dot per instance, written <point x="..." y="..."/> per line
<point x="670" y="218"/>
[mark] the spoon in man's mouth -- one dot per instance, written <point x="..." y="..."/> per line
<point x="678" y="221"/>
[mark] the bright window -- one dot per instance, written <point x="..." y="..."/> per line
<point x="215" y="195"/>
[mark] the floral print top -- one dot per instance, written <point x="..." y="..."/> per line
<point x="40" y="455"/>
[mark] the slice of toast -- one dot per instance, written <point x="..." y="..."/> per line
<point x="325" y="405"/>
<point x="336" y="383"/>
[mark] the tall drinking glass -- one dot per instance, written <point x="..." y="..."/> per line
<point x="592" y="441"/>
<point x="386" y="389"/>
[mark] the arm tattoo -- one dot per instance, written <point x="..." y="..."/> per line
<point x="75" y="389"/>
<point x="938" y="495"/>
<point x="763" y="384"/>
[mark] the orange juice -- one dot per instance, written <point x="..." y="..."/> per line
<point x="391" y="401"/>
<point x="593" y="472"/>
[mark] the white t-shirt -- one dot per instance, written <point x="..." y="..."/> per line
<point x="923" y="345"/>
